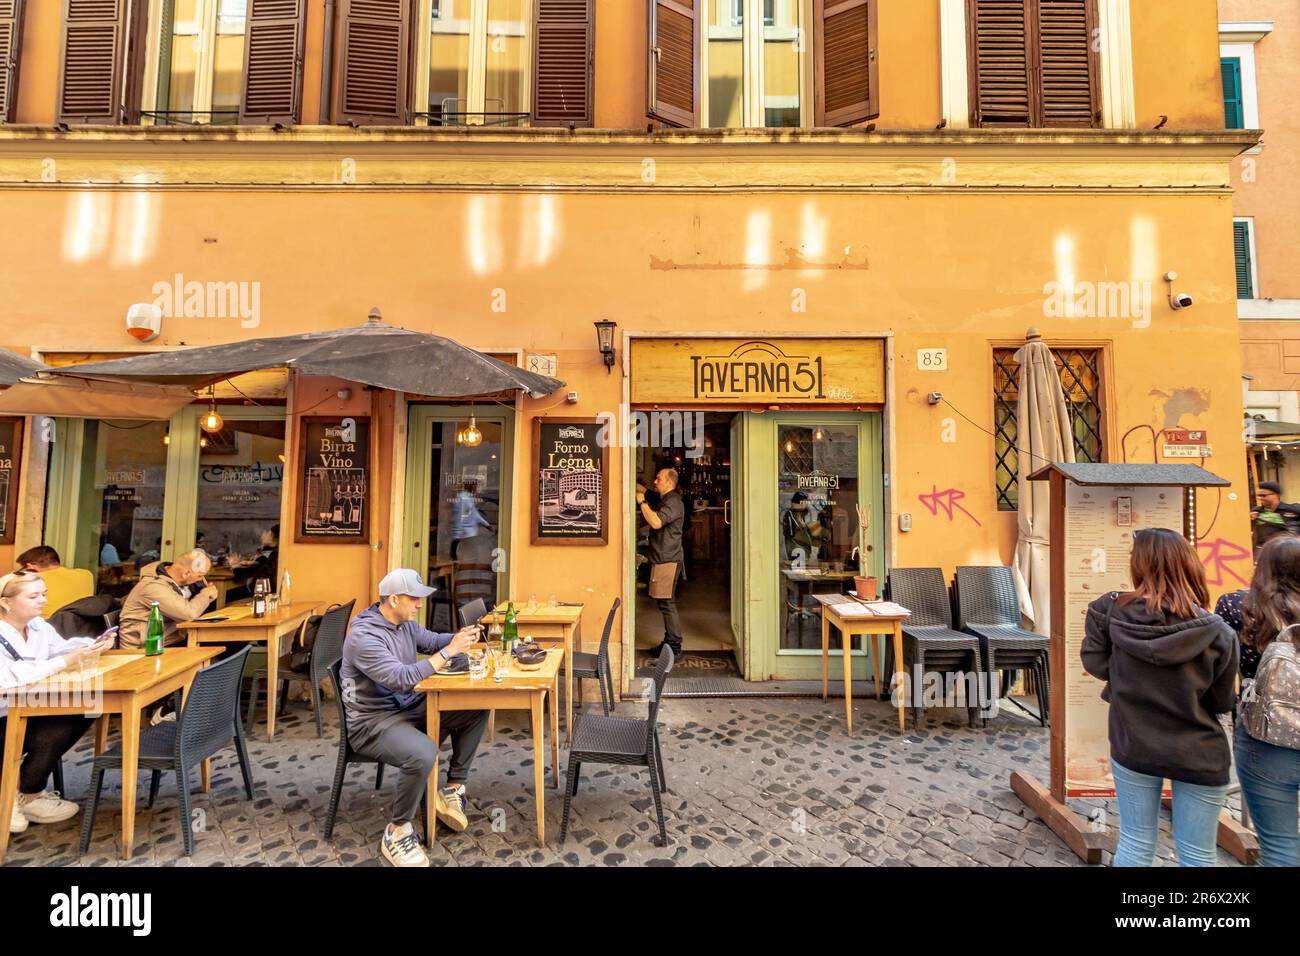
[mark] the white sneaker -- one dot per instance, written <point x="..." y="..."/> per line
<point x="402" y="847"/>
<point x="17" y="821"/>
<point x="450" y="807"/>
<point x="47" y="807"/>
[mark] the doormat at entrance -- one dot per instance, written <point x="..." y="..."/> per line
<point x="692" y="665"/>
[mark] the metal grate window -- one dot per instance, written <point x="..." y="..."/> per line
<point x="1080" y="371"/>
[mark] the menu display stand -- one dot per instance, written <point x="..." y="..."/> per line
<point x="1094" y="510"/>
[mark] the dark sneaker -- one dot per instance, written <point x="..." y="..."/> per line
<point x="450" y="806"/>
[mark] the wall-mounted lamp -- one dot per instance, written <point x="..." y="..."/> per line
<point x="605" y="337"/>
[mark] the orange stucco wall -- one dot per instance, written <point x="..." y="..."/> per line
<point x="1174" y="63"/>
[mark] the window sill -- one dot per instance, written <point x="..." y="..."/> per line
<point x="1268" y="310"/>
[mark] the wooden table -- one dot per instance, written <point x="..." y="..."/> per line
<point x="241" y="627"/>
<point x="125" y="689"/>
<point x="849" y="626"/>
<point x="549" y="625"/>
<point x="521" y="690"/>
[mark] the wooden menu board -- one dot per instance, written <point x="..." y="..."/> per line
<point x="570" y="479"/>
<point x="11" y="453"/>
<point x="333" y="480"/>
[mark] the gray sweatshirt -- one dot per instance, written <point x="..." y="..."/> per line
<point x="380" y="671"/>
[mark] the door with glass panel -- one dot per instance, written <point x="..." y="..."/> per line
<point x="458" y="470"/>
<point x="474" y="54"/>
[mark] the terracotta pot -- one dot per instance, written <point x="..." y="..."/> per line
<point x="865" y="588"/>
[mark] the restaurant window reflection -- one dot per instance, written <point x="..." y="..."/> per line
<point x="464" y="518"/>
<point x="818" y="494"/>
<point x="237" y="520"/>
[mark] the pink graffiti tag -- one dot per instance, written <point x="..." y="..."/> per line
<point x="946" y="501"/>
<point x="1217" y="556"/>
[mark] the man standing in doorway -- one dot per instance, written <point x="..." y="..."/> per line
<point x="1272" y="516"/>
<point x="666" y="555"/>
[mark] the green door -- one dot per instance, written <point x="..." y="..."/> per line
<point x="734" y="514"/>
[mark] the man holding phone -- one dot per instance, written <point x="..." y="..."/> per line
<point x="386" y="715"/>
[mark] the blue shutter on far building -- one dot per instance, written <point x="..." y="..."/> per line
<point x="1241" y="247"/>
<point x="1234" y="116"/>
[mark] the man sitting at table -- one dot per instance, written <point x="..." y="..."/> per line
<point x="170" y="583"/>
<point x="386" y="715"/>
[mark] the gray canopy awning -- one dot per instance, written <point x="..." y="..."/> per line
<point x="14" y="367"/>
<point x="374" y="353"/>
<point x="1101" y="473"/>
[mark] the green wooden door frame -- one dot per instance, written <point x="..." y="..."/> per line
<point x="70" y="485"/>
<point x="763" y="546"/>
<point x="419" y="441"/>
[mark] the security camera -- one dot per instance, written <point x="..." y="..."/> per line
<point x="144" y="321"/>
<point x="1181" y="301"/>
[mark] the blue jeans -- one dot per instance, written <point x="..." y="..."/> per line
<point x="1270" y="783"/>
<point x="1196" y="819"/>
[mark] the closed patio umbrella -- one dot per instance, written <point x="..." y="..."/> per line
<point x="14" y="367"/>
<point x="27" y="388"/>
<point x="373" y="353"/>
<point x="1043" y="436"/>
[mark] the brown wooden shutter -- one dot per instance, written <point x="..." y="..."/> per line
<point x="11" y="38"/>
<point x="1000" y="59"/>
<point x="90" y="74"/>
<point x="848" y="77"/>
<point x="563" y="39"/>
<point x="674" y="62"/>
<point x="1068" y="68"/>
<point x="273" y="54"/>
<point x="373" y="63"/>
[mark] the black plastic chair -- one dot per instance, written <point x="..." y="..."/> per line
<point x="929" y="639"/>
<point x="349" y="756"/>
<point x="619" y="740"/>
<point x="987" y="606"/>
<point x="207" y="724"/>
<point x="596" y="666"/>
<point x="325" y="650"/>
<point x="111" y="620"/>
<point x="473" y="612"/>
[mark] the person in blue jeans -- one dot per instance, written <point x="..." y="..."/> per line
<point x="1269" y="774"/>
<point x="1170" y="668"/>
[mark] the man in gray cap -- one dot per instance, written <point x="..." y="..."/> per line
<point x="386" y="716"/>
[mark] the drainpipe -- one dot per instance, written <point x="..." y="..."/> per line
<point x="327" y="64"/>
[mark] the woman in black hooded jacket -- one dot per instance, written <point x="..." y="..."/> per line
<point x="1170" y="668"/>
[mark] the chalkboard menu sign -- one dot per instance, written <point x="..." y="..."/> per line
<point x="570" y="502"/>
<point x="11" y="452"/>
<point x="334" y="480"/>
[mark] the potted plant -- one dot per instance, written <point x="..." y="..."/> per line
<point x="864" y="586"/>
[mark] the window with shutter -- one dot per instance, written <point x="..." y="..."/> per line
<point x="1233" y="112"/>
<point x="847" y="75"/>
<point x="563" y="32"/>
<point x="92" y="62"/>
<point x="373" y="62"/>
<point x="673" y="62"/>
<point x="1241" y="245"/>
<point x="273" y="61"/>
<point x="11" y="27"/>
<point x="481" y="60"/>
<point x="1033" y="63"/>
<point x="205" y="48"/>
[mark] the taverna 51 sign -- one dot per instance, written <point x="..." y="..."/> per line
<point x="758" y="371"/>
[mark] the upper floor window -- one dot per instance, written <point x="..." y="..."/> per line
<point x="200" y="61"/>
<point x="763" y="63"/>
<point x="1237" y="42"/>
<point x="11" y="25"/>
<point x="1243" y="247"/>
<point x="1233" y="114"/>
<point x="478" y="54"/>
<point x="1033" y="63"/>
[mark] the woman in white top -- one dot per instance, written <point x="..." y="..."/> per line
<point x="31" y="650"/>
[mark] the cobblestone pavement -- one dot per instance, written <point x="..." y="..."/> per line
<point x="753" y="781"/>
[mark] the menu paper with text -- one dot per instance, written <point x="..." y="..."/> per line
<point x="1098" y="536"/>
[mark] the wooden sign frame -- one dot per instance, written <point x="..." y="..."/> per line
<point x="15" y="477"/>
<point x="535" y="488"/>
<point x="303" y="462"/>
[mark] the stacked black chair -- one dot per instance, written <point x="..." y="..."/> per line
<point x="987" y="606"/>
<point x="596" y="666"/>
<point x="473" y="612"/>
<point x="347" y="755"/>
<point x="207" y="724"/>
<point x="930" y="643"/>
<point x="325" y="650"/>
<point x="622" y="741"/>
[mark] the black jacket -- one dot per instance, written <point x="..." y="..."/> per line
<point x="1167" y="679"/>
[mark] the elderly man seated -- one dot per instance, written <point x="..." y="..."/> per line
<point x="171" y="584"/>
<point x="386" y="715"/>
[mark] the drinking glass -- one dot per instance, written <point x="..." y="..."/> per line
<point x="88" y="663"/>
<point x="477" y="664"/>
<point x="532" y="602"/>
<point x="500" y="664"/>
<point x="553" y="601"/>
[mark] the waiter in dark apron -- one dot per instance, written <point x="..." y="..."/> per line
<point x="666" y="555"/>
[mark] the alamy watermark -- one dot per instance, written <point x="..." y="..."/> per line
<point x="652" y="429"/>
<point x="1099" y="300"/>
<point x="191" y="299"/>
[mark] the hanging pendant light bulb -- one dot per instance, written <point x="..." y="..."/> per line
<point x="167" y="437"/>
<point x="211" y="421"/>
<point x="203" y="441"/>
<point x="819" y="435"/>
<point x="789" y="447"/>
<point x="470" y="436"/>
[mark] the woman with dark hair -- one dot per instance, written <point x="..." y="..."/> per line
<point x="1170" y="668"/>
<point x="1270" y="772"/>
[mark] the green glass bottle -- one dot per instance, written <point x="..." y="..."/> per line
<point x="511" y="633"/>
<point x="153" y="641"/>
